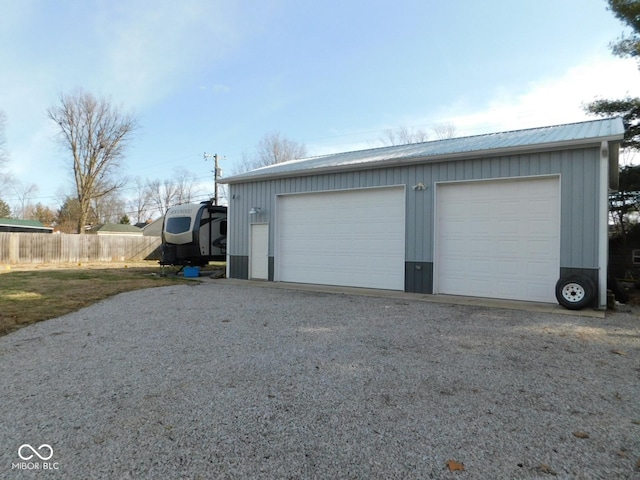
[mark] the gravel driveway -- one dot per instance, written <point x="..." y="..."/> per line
<point x="213" y="380"/>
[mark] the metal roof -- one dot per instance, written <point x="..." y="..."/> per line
<point x="119" y="228"/>
<point x="558" y="136"/>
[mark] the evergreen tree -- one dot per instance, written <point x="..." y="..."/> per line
<point x="5" y="211"/>
<point x="628" y="45"/>
<point x="43" y="214"/>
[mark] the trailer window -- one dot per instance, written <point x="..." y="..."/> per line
<point x="178" y="224"/>
<point x="223" y="227"/>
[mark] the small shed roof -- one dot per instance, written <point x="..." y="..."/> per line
<point x="153" y="229"/>
<point x="14" y="222"/>
<point x="116" y="229"/>
<point x="559" y="136"/>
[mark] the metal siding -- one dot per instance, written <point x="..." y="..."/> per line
<point x="468" y="170"/>
<point x="578" y="211"/>
<point x="270" y="200"/>
<point x="451" y="168"/>
<point x="504" y="169"/>
<point x="524" y="167"/>
<point x="398" y="176"/>
<point x="486" y="168"/>
<point x="476" y="169"/>
<point x="579" y="192"/>
<point x="590" y="212"/>
<point x="545" y="162"/>
<point x="534" y="163"/>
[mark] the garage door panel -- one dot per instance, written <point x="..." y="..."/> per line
<point x="509" y="248"/>
<point x="508" y="268"/>
<point x="480" y="207"/>
<point x="506" y="226"/>
<point x="477" y="247"/>
<point x="537" y="289"/>
<point x="501" y="239"/>
<point x="347" y="237"/>
<point x="479" y="287"/>
<point x="539" y="247"/>
<point x="454" y="265"/>
<point x="507" y="289"/>
<point x="536" y="270"/>
<point x="455" y="228"/>
<point x="508" y="209"/>
<point x="538" y="227"/>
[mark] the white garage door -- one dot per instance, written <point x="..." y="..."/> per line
<point x="498" y="239"/>
<point x="352" y="238"/>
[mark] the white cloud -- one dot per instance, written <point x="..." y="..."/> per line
<point x="551" y="101"/>
<point x="543" y="102"/>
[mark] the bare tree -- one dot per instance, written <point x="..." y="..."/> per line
<point x="403" y="136"/>
<point x="186" y="185"/>
<point x="5" y="176"/>
<point x="23" y="193"/>
<point x="408" y="135"/>
<point x="162" y="194"/>
<point x="272" y="148"/>
<point x="180" y="188"/>
<point x="140" y="202"/>
<point x="108" y="208"/>
<point x="97" y="134"/>
<point x="445" y="131"/>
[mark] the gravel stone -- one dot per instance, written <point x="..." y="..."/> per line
<point x="212" y="380"/>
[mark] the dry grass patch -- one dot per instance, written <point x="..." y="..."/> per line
<point x="33" y="294"/>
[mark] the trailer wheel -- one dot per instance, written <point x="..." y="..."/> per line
<point x="575" y="292"/>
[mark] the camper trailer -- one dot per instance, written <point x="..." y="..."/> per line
<point x="194" y="234"/>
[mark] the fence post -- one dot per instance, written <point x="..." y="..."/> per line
<point x="14" y="248"/>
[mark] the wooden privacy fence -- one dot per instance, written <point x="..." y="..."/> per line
<point x="19" y="248"/>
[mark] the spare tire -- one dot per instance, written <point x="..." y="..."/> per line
<point x="575" y="292"/>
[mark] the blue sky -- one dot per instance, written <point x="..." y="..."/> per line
<point x="215" y="76"/>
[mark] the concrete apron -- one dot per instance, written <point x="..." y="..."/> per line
<point x="447" y="299"/>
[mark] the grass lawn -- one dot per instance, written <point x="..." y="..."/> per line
<point x="32" y="293"/>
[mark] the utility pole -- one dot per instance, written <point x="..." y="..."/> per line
<point x="216" y="174"/>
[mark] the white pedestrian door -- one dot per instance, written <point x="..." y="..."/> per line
<point x="259" y="254"/>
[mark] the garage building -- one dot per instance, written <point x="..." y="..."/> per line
<point x="502" y="215"/>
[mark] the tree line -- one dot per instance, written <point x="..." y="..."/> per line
<point x="146" y="199"/>
<point x="95" y="133"/>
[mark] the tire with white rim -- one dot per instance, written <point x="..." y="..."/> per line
<point x="575" y="292"/>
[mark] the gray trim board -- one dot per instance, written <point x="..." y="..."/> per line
<point x="271" y="267"/>
<point x="239" y="267"/>
<point x="418" y="277"/>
